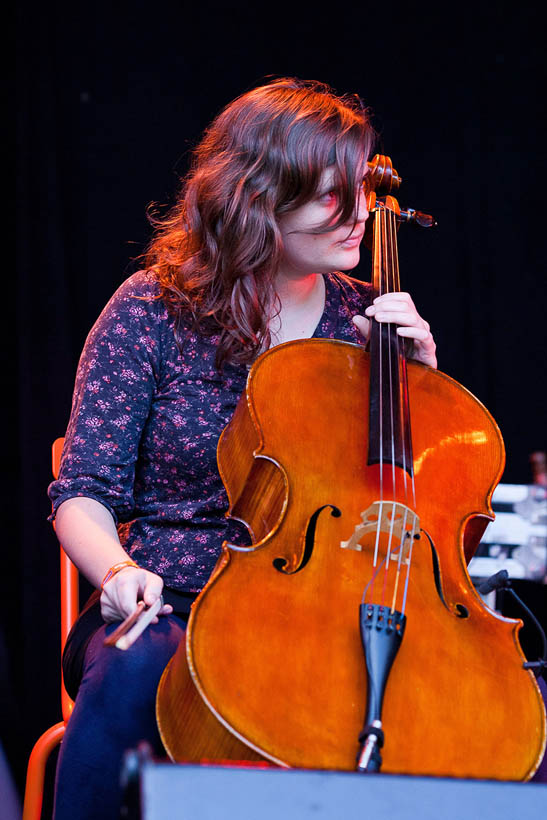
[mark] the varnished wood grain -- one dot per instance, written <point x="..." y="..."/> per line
<point x="278" y="656"/>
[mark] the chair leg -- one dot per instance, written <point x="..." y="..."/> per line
<point x="34" y="789"/>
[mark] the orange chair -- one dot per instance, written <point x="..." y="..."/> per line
<point x="34" y="789"/>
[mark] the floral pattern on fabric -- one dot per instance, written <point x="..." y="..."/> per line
<point x="145" y="423"/>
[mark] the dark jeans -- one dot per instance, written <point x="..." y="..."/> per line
<point x="114" y="710"/>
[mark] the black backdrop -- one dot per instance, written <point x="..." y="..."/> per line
<point x="109" y="100"/>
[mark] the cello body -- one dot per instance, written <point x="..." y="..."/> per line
<point x="273" y="665"/>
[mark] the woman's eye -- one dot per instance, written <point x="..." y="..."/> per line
<point x="328" y="198"/>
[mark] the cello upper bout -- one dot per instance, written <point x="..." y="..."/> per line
<point x="256" y="485"/>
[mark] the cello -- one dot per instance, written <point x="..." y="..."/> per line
<point x="350" y="625"/>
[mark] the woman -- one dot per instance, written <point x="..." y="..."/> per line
<point x="273" y="207"/>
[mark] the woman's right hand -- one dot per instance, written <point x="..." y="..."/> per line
<point x="130" y="585"/>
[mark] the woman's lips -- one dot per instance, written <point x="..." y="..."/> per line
<point x="351" y="241"/>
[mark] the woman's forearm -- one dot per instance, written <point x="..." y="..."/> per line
<point x="88" y="534"/>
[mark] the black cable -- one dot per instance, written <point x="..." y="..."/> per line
<point x="500" y="580"/>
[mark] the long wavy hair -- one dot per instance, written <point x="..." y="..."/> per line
<point x="217" y="251"/>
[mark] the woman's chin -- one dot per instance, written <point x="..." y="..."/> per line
<point x="349" y="259"/>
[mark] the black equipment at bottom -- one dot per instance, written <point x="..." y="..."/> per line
<point x="155" y="791"/>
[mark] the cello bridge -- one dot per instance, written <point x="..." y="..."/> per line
<point x="393" y="519"/>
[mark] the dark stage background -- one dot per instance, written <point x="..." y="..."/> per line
<point x="110" y="99"/>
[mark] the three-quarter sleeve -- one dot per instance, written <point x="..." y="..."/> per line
<point x="115" y="383"/>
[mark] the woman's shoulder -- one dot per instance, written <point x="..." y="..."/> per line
<point x="138" y="296"/>
<point x="140" y="285"/>
<point x="135" y="310"/>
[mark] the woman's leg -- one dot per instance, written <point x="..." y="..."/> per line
<point x="114" y="711"/>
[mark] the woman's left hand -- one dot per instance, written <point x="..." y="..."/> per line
<point x="398" y="308"/>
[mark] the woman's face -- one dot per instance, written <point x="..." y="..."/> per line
<point x="305" y="253"/>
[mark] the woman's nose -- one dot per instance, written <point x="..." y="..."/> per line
<point x="362" y="210"/>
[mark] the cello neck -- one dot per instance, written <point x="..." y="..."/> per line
<point x="390" y="439"/>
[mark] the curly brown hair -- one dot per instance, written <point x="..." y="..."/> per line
<point x="217" y="251"/>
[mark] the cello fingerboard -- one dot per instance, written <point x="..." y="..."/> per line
<point x="390" y="440"/>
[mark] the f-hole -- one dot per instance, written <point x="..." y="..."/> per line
<point x="460" y="611"/>
<point x="280" y="564"/>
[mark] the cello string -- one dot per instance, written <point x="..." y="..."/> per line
<point x="408" y="563"/>
<point x="377" y="289"/>
<point x="404" y="535"/>
<point x="388" y="273"/>
<point x="406" y="410"/>
<point x="413" y="482"/>
<point x="400" y="358"/>
<point x="376" y="573"/>
<point x="396" y="419"/>
<point x="407" y="448"/>
<point x="413" y="485"/>
<point x="401" y="420"/>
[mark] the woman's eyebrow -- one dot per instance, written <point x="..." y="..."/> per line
<point x="326" y="189"/>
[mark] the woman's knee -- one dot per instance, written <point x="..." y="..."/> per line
<point x="133" y="673"/>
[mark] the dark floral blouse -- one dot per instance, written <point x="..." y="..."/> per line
<point x="145" y="424"/>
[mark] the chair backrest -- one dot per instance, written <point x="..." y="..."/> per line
<point x="70" y="597"/>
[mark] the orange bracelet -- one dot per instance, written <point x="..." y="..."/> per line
<point x="115" y="569"/>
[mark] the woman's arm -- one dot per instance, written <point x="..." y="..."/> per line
<point x="115" y="385"/>
<point x="88" y="534"/>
